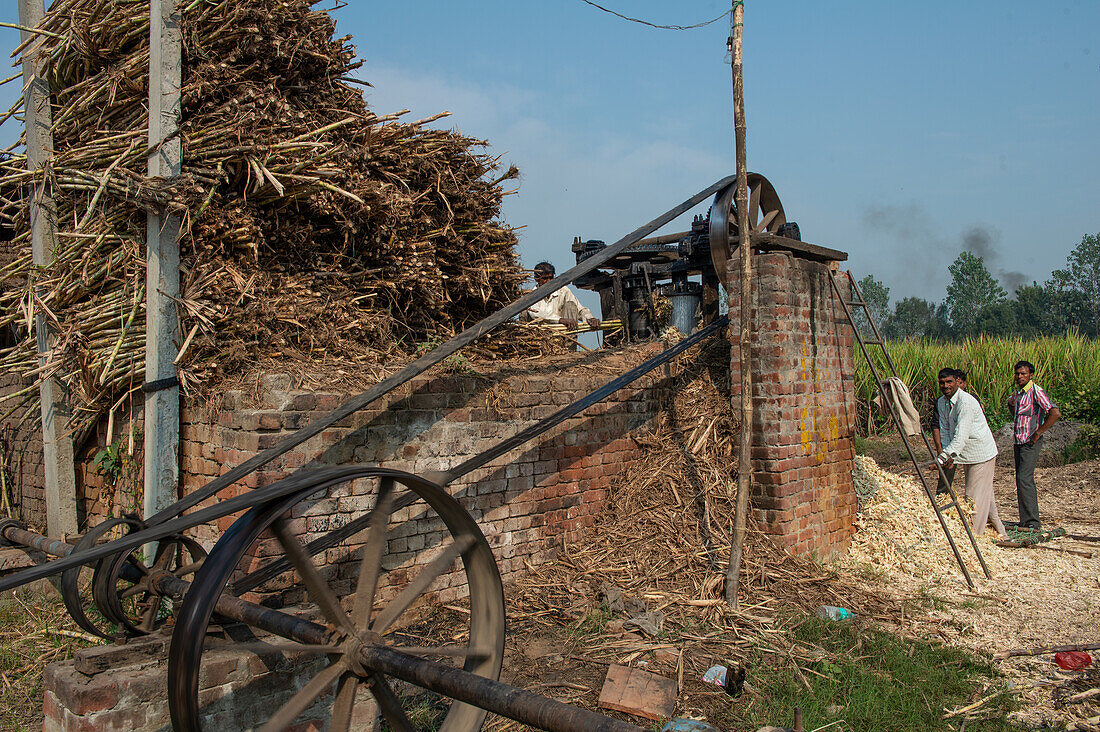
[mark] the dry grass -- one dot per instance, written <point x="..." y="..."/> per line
<point x="35" y="630"/>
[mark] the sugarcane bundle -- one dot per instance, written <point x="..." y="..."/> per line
<point x="310" y="222"/>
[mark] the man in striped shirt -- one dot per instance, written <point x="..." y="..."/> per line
<point x="1032" y="414"/>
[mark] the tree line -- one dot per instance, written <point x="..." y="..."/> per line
<point x="976" y="304"/>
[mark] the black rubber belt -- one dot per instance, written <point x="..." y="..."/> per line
<point x="430" y="359"/>
<point x="160" y="384"/>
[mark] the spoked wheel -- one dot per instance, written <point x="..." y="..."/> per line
<point x="122" y="585"/>
<point x="355" y="596"/>
<point x="78" y="593"/>
<point x="765" y="214"/>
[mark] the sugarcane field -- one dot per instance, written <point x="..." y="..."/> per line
<point x="714" y="366"/>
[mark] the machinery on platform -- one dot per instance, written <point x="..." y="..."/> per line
<point x="330" y="615"/>
<point x="686" y="268"/>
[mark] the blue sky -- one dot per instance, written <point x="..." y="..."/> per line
<point x="901" y="133"/>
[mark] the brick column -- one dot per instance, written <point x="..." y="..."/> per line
<point x="805" y="406"/>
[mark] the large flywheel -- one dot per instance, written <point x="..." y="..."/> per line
<point x="333" y="613"/>
<point x="765" y="214"/>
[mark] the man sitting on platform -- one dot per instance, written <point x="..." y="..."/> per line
<point x="560" y="306"/>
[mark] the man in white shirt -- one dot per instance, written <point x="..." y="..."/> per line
<point x="970" y="445"/>
<point x="560" y="306"/>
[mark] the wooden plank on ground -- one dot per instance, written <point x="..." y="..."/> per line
<point x="638" y="692"/>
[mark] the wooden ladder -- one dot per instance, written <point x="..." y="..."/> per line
<point x="858" y="301"/>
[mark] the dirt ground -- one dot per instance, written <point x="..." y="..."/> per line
<point x="1039" y="597"/>
<point x="561" y="641"/>
<point x="1036" y="598"/>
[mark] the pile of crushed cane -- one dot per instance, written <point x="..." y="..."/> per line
<point x="662" y="547"/>
<point x="313" y="227"/>
<point x="897" y="528"/>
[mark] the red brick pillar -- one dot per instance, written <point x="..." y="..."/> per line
<point x="805" y="406"/>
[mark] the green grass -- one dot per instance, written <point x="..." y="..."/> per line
<point x="1068" y="367"/>
<point x="1085" y="447"/>
<point x="884" y="683"/>
<point x="33" y="624"/>
<point x="594" y="622"/>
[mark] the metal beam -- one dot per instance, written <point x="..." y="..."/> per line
<point x="57" y="444"/>
<point x="162" y="396"/>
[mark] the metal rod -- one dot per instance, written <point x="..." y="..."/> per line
<point x="31" y="540"/>
<point x="504" y="699"/>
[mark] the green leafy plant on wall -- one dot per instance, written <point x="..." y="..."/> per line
<point x="116" y="464"/>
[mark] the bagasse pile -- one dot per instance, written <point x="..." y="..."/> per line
<point x="664" y="540"/>
<point x="311" y="224"/>
<point x="898" y="530"/>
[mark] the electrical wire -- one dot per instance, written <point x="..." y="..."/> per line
<point x="655" y="25"/>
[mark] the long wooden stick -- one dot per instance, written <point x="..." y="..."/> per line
<point x="1046" y="649"/>
<point x="744" y="467"/>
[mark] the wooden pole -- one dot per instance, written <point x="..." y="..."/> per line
<point x="162" y="396"/>
<point x="57" y="444"/>
<point x="744" y="456"/>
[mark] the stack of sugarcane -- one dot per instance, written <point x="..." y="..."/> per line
<point x="311" y="224"/>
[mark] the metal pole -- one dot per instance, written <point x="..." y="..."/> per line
<point x="744" y="248"/>
<point x="162" y="408"/>
<point x="57" y="445"/>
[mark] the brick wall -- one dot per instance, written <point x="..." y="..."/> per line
<point x="121" y="688"/>
<point x="21" y="454"/>
<point x="804" y="416"/>
<point x="525" y="501"/>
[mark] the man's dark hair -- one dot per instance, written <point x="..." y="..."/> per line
<point x="949" y="372"/>
<point x="960" y="374"/>
<point x="545" y="267"/>
<point x="1030" y="366"/>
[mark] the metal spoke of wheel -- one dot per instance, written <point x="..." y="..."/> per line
<point x="446" y="651"/>
<point x="765" y="221"/>
<point x="316" y="585"/>
<point x="273" y="569"/>
<point x="416" y="588"/>
<point x="754" y="202"/>
<point x="131" y="591"/>
<point x="344" y="704"/>
<point x="371" y="566"/>
<point x="164" y="559"/>
<point x="305" y="696"/>
<point x="390" y="705"/>
<point x="149" y="618"/>
<point x="262" y="647"/>
<point x="188" y="569"/>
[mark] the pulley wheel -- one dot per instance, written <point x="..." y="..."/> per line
<point x="73" y="589"/>
<point x="765" y="214"/>
<point x="357" y="579"/>
<point x="122" y="584"/>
